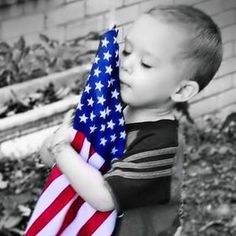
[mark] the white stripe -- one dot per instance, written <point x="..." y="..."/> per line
<point x="48" y="196"/>
<point x="96" y="160"/>
<point x="107" y="227"/>
<point x="83" y="215"/>
<point x="72" y="134"/>
<point x="84" y="153"/>
<point x="55" y="224"/>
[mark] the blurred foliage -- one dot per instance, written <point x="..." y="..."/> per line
<point x="21" y="62"/>
<point x="21" y="181"/>
<point x="210" y="181"/>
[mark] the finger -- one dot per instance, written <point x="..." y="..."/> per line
<point x="60" y="137"/>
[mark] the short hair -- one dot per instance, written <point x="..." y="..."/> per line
<point x="204" y="48"/>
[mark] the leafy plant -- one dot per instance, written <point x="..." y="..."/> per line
<point x="21" y="182"/>
<point x="210" y="183"/>
<point x="22" y="62"/>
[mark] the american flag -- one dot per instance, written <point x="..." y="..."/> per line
<point x="98" y="135"/>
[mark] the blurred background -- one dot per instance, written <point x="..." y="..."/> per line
<point x="46" y="50"/>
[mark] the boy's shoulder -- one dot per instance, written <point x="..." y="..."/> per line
<point x="150" y="135"/>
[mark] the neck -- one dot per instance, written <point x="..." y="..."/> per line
<point x="137" y="114"/>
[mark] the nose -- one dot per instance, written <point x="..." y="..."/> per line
<point x="127" y="63"/>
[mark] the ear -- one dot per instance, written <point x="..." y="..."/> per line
<point x="185" y="91"/>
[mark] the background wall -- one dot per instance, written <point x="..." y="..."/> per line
<point x="65" y="20"/>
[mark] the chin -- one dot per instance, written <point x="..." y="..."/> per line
<point x="124" y="98"/>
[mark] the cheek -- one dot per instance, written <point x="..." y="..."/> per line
<point x="147" y="82"/>
<point x="164" y="81"/>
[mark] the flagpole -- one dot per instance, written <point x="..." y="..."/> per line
<point x="112" y="14"/>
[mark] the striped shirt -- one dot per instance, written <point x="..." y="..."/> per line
<point x="142" y="182"/>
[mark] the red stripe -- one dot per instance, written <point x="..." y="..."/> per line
<point x="71" y="214"/>
<point x="78" y="140"/>
<point x="63" y="198"/>
<point x="93" y="223"/>
<point x="91" y="151"/>
<point x="104" y="168"/>
<point x="55" y="173"/>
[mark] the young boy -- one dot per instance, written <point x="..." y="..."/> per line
<point x="170" y="54"/>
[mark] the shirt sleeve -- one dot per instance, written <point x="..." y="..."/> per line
<point x="143" y="176"/>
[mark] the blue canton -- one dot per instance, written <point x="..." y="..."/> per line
<point x="99" y="113"/>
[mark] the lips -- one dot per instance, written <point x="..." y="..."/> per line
<point x="124" y="83"/>
<point x="123" y="79"/>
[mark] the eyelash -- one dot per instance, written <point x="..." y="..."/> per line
<point x="125" y="53"/>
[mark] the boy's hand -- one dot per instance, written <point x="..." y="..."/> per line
<point x="60" y="138"/>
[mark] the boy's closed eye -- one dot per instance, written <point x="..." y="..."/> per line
<point x="126" y="53"/>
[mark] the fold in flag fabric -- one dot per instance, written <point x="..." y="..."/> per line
<point x="98" y="136"/>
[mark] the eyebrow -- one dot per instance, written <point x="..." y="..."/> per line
<point x="146" y="52"/>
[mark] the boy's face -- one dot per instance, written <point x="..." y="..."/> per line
<point x="150" y="70"/>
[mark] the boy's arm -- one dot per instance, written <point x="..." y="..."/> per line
<point x="87" y="181"/>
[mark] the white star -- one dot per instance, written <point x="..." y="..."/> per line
<point x="103" y="127"/>
<point x="90" y="102"/>
<point x="110" y="82"/>
<point x="107" y="56"/>
<point x="113" y="137"/>
<point x="99" y="85"/>
<point x="101" y="100"/>
<point x="117" y="53"/>
<point x="114" y="94"/>
<point x="108" y="69"/>
<point x="83" y="118"/>
<point x="122" y="134"/>
<point x="117" y="64"/>
<point x="97" y="72"/>
<point x="103" y="141"/>
<point x="110" y="124"/>
<point x="103" y="114"/>
<point x="92" y="129"/>
<point x="87" y="88"/>
<point x="79" y="106"/>
<point x="104" y="42"/>
<point x="114" y="150"/>
<point x="92" y="116"/>
<point x="114" y="40"/>
<point x="96" y="59"/>
<point x="121" y="121"/>
<point x="118" y="107"/>
<point x="108" y="111"/>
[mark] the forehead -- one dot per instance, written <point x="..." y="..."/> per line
<point x="156" y="36"/>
